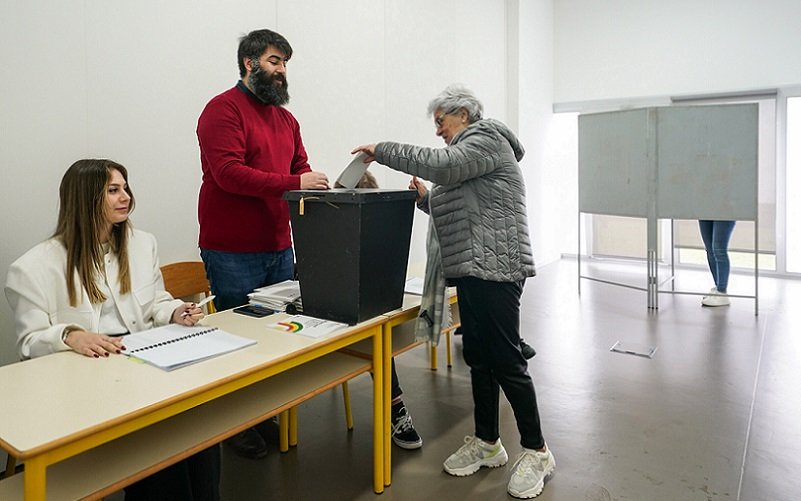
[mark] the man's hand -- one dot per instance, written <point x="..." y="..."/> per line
<point x="313" y="181"/>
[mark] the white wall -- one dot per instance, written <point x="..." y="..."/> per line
<point x="127" y="81"/>
<point x="623" y="48"/>
<point x="550" y="164"/>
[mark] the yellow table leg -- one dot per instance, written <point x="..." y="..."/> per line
<point x="35" y="479"/>
<point x="348" y="411"/>
<point x="378" y="414"/>
<point x="293" y="427"/>
<point x="448" y="347"/>
<point x="433" y="355"/>
<point x="387" y="349"/>
<point x="283" y="431"/>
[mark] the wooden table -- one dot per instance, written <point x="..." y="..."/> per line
<point x="86" y="428"/>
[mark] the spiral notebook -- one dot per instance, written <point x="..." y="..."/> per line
<point x="173" y="346"/>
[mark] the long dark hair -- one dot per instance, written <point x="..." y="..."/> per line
<point x="82" y="221"/>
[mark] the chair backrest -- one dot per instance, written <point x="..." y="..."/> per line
<point x="186" y="278"/>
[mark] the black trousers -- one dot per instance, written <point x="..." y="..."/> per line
<point x="490" y="313"/>
<point x="196" y="478"/>
<point x="396" y="387"/>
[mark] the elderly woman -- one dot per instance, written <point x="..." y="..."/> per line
<point x="478" y="210"/>
<point x="94" y="281"/>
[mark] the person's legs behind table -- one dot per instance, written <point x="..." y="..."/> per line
<point x="490" y="313"/>
<point x="196" y="478"/>
<point x="232" y="276"/>
<point x="716" y="236"/>
<point x="404" y="434"/>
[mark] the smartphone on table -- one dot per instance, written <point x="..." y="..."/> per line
<point x="252" y="310"/>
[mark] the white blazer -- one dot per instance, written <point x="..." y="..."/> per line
<point x="36" y="288"/>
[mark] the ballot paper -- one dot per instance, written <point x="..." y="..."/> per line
<point x="353" y="172"/>
<point x="414" y="285"/>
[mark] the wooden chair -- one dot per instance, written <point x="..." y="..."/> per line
<point x="186" y="279"/>
<point x="11" y="467"/>
<point x="446" y="333"/>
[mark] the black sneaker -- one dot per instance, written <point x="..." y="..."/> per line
<point x="248" y="444"/>
<point x="268" y="430"/>
<point x="403" y="433"/>
<point x="527" y="350"/>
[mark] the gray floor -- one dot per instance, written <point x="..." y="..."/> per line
<point x="712" y="416"/>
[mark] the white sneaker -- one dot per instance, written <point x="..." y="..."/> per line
<point x="474" y="454"/>
<point x="530" y="470"/>
<point x="716" y="299"/>
<point x="712" y="292"/>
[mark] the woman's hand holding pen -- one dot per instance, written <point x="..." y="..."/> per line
<point x="189" y="314"/>
<point x="93" y="344"/>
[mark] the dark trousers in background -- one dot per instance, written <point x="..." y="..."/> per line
<point x="196" y="478"/>
<point x="490" y="315"/>
<point x="396" y="388"/>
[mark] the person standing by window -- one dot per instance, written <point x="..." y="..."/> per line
<point x="716" y="236"/>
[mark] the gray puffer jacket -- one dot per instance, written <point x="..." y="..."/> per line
<point x="478" y="201"/>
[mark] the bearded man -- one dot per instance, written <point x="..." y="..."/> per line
<point x="251" y="152"/>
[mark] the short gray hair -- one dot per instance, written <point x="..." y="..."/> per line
<point x="454" y="98"/>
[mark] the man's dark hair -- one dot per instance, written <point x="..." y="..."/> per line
<point x="253" y="45"/>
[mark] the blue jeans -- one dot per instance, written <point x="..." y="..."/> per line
<point x="233" y="275"/>
<point x="716" y="235"/>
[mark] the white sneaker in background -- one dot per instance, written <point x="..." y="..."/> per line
<point x="712" y="292"/>
<point x="474" y="454"/>
<point x="716" y="299"/>
<point x="530" y="470"/>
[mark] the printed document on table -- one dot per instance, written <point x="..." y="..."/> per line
<point x="308" y="326"/>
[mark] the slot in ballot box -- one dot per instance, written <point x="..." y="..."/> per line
<point x="351" y="249"/>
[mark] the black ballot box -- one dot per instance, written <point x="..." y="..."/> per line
<point x="351" y="249"/>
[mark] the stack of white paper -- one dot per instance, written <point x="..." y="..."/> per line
<point x="275" y="297"/>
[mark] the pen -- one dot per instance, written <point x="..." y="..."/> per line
<point x="200" y="304"/>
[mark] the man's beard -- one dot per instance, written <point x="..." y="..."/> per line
<point x="263" y="85"/>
